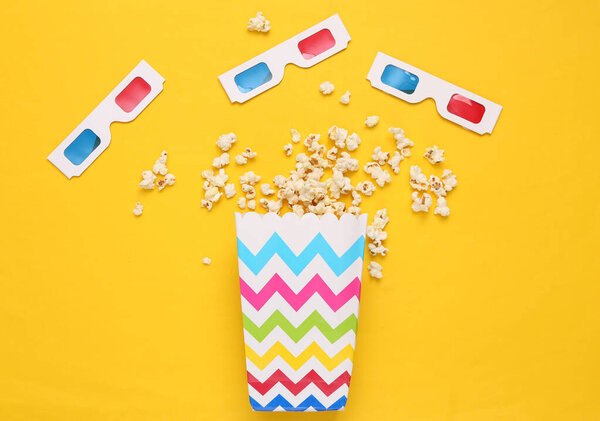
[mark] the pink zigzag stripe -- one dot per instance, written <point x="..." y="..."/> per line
<point x="316" y="284"/>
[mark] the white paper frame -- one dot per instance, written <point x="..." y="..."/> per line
<point x="438" y="89"/>
<point x="104" y="114"/>
<point x="283" y="54"/>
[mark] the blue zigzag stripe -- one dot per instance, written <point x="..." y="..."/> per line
<point x="309" y="402"/>
<point x="318" y="245"/>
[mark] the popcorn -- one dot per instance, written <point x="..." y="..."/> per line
<point x="206" y="261"/>
<point x="221" y="161"/>
<point x="249" y="178"/>
<point x="346" y="163"/>
<point x="160" y="166"/>
<point x="356" y="197"/>
<point x="251" y="204"/>
<point x="241" y="160"/>
<point x="213" y="194"/>
<point x="326" y="88"/>
<point x="147" y="182"/>
<point x="169" y="180"/>
<point x="249" y="153"/>
<point x="271" y="205"/>
<point x="312" y="142"/>
<point x="249" y="190"/>
<point x="381" y="219"/>
<point x="375" y="270"/>
<point x="230" y="190"/>
<point x="402" y="142"/>
<point x="226" y="141"/>
<point x="266" y="189"/>
<point x="436" y="186"/>
<point x="332" y="154"/>
<point x="441" y="207"/>
<point x="288" y="149"/>
<point x="139" y="208"/>
<point x="449" y="180"/>
<point x="206" y="204"/>
<point x="377" y="248"/>
<point x="380" y="175"/>
<point x="418" y="180"/>
<point x="241" y="202"/>
<point x="379" y="156"/>
<point x="376" y="234"/>
<point x="295" y="135"/>
<point x="366" y="187"/>
<point x="298" y="210"/>
<point x="352" y="142"/>
<point x="394" y="162"/>
<point x="372" y="120"/>
<point x="421" y="204"/>
<point x="259" y="23"/>
<point x="279" y="181"/>
<point x="354" y="210"/>
<point x="434" y="155"/>
<point x="345" y="99"/>
<point x="338" y="135"/>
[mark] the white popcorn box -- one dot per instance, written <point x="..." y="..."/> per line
<point x="300" y="280"/>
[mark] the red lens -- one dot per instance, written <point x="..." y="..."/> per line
<point x="466" y="108"/>
<point x="133" y="94"/>
<point x="316" y="44"/>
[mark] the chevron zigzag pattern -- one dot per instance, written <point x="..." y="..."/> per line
<point x="300" y="334"/>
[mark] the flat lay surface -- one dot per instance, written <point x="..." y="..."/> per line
<point x="488" y="314"/>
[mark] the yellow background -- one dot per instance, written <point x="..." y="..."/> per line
<point x="489" y="315"/>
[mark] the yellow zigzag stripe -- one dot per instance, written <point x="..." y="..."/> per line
<point x="313" y="350"/>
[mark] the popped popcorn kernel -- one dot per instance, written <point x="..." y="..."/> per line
<point x="345" y="99"/>
<point x="298" y="210"/>
<point x="241" y="160"/>
<point x="213" y="194"/>
<point x="147" y="182"/>
<point x="160" y="166"/>
<point x="441" y="207"/>
<point x="418" y="180"/>
<point x="241" y="203"/>
<point x="221" y="161"/>
<point x="352" y="142"/>
<point x="249" y="178"/>
<point x="251" y="204"/>
<point x="288" y="149"/>
<point x="266" y="189"/>
<point x="206" y="261"/>
<point x="372" y="120"/>
<point x="259" y="23"/>
<point x="380" y="175"/>
<point x="376" y="248"/>
<point x="346" y="163"/>
<point x="249" y="153"/>
<point x="449" y="180"/>
<point x="354" y="210"/>
<point x="434" y="155"/>
<point x="402" y="143"/>
<point x="366" y="188"/>
<point x="206" y="204"/>
<point x="421" y="204"/>
<point x="226" y="141"/>
<point x="229" y="190"/>
<point x="332" y="153"/>
<point x="249" y="190"/>
<point x="436" y="186"/>
<point x="379" y="156"/>
<point x="295" y="135"/>
<point x="356" y="198"/>
<point x="338" y="135"/>
<point x="326" y="88"/>
<point x="138" y="209"/>
<point x="375" y="270"/>
<point x="279" y="181"/>
<point x="394" y="162"/>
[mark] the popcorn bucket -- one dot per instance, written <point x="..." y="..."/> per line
<point x="300" y="283"/>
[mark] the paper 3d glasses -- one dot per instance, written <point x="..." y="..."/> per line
<point x="414" y="85"/>
<point x="304" y="50"/>
<point x="92" y="136"/>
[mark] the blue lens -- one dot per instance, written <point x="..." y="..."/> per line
<point x="82" y="146"/>
<point x="253" y="77"/>
<point x="400" y="79"/>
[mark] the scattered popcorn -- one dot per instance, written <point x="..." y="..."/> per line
<point x="379" y="156"/>
<point x="394" y="162"/>
<point x="354" y="210"/>
<point x="169" y="180"/>
<point x="221" y="161"/>
<point x="279" y="181"/>
<point x="372" y="120"/>
<point x="332" y="154"/>
<point x="375" y="270"/>
<point x="250" y="178"/>
<point x="226" y="141"/>
<point x="376" y="233"/>
<point x="241" y="160"/>
<point x="213" y="194"/>
<point x="421" y="204"/>
<point x="298" y="210"/>
<point x="345" y="99"/>
<point x="288" y="149"/>
<point x="241" y="203"/>
<point x="366" y="188"/>
<point x="326" y="88"/>
<point x="434" y="155"/>
<point x="266" y="189"/>
<point x="160" y="166"/>
<point x="206" y="204"/>
<point x="380" y="175"/>
<point x="441" y="207"/>
<point x="352" y="142"/>
<point x="259" y="23"/>
<point x="377" y="248"/>
<point x="346" y="163"/>
<point x="356" y="198"/>
<point x="418" y="180"/>
<point x="249" y="190"/>
<point x="436" y="186"/>
<point x="206" y="261"/>
<point x="449" y="180"/>
<point x="230" y="190"/>
<point x="147" y="182"/>
<point x="271" y="205"/>
<point x="338" y="135"/>
<point x="295" y="135"/>
<point x="251" y="204"/>
<point x="139" y="208"/>
<point x="402" y="143"/>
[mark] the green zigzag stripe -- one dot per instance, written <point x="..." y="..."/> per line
<point x="297" y="333"/>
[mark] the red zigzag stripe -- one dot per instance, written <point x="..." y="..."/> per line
<point x="295" y="388"/>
